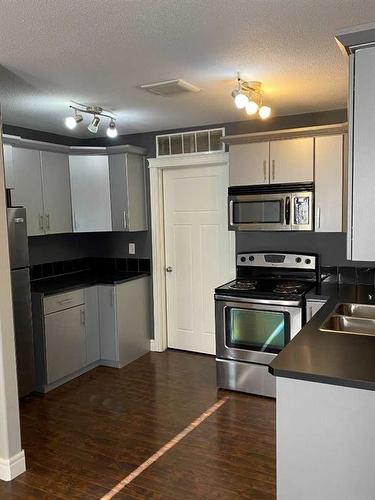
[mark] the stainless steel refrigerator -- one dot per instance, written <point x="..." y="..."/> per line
<point x="20" y="276"/>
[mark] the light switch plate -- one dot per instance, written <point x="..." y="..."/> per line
<point x="132" y="248"/>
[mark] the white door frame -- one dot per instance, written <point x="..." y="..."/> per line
<point x="156" y="167"/>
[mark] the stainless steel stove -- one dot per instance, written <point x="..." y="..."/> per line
<point x="257" y="314"/>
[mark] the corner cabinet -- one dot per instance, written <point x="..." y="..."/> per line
<point x="128" y="192"/>
<point x="90" y="188"/>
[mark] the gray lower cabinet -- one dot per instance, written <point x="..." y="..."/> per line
<point x="124" y="312"/>
<point x="66" y="332"/>
<point x="65" y="342"/>
<point x="312" y="307"/>
<point x="128" y="192"/>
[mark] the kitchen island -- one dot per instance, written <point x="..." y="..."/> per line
<point x="326" y="407"/>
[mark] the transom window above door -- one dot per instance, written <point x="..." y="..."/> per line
<point x="198" y="141"/>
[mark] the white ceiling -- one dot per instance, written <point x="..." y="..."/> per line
<point x="100" y="51"/>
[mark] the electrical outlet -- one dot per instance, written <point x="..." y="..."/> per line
<point x="132" y="248"/>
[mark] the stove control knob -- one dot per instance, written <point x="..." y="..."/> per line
<point x="243" y="259"/>
<point x="251" y="258"/>
<point x="308" y="261"/>
<point x="298" y="260"/>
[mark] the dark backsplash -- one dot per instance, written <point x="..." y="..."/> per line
<point x="51" y="269"/>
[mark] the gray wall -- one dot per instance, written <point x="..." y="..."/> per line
<point x="330" y="246"/>
<point x="50" y="248"/>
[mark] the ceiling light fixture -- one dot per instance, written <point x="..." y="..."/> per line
<point x="94" y="125"/>
<point x="97" y="112"/>
<point x="249" y="95"/>
<point x="112" y="130"/>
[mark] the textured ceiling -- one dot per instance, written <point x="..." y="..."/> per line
<point x="100" y="51"/>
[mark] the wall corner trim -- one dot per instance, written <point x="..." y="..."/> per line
<point x="12" y="467"/>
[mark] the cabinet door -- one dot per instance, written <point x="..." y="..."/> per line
<point x="92" y="325"/>
<point x="28" y="188"/>
<point x="65" y="343"/>
<point x="133" y="319"/>
<point x="91" y="202"/>
<point x="8" y="165"/>
<point x="328" y="183"/>
<point x="292" y="160"/>
<point x="128" y="192"/>
<point x="361" y="170"/>
<point x="249" y="164"/>
<point x="109" y="352"/>
<point x="56" y="192"/>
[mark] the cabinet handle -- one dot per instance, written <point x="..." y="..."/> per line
<point x="265" y="170"/>
<point x="47" y="222"/>
<point x="112" y="297"/>
<point x="83" y="317"/>
<point x="125" y="221"/>
<point x="318" y="218"/>
<point x="273" y="170"/>
<point x="41" y="222"/>
<point x="74" y="222"/>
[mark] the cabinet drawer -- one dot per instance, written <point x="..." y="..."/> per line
<point x="63" y="301"/>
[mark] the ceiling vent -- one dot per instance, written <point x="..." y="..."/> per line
<point x="170" y="87"/>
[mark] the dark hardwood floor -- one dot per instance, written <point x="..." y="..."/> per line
<point x="83" y="438"/>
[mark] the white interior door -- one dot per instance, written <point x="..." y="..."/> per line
<point x="199" y="252"/>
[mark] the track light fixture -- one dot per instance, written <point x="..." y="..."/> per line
<point x="97" y="112"/>
<point x="249" y="96"/>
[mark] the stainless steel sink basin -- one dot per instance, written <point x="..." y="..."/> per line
<point x="354" y="319"/>
<point x="347" y="324"/>
<point x="356" y="310"/>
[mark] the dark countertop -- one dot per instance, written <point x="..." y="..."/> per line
<point x="72" y="281"/>
<point x="331" y="358"/>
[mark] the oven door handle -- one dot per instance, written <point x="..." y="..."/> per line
<point x="287" y="210"/>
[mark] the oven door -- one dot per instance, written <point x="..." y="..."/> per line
<point x="259" y="212"/>
<point x="254" y="331"/>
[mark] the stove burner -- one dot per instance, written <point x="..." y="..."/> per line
<point x="243" y="285"/>
<point x="288" y="287"/>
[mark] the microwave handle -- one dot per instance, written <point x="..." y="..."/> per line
<point x="287" y="210"/>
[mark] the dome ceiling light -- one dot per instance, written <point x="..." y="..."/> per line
<point x="97" y="112"/>
<point x="249" y="96"/>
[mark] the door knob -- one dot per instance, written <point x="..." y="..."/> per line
<point x="169" y="269"/>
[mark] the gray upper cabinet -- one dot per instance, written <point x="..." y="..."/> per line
<point x="292" y="160"/>
<point x="8" y="165"/>
<point x="56" y="192"/>
<point x="329" y="164"/>
<point x="128" y="192"/>
<point x="361" y="177"/>
<point x="249" y="164"/>
<point x="28" y="188"/>
<point x="91" y="201"/>
<point x="41" y="184"/>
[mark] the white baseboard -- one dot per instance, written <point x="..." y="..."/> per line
<point x="12" y="467"/>
<point x="154" y="346"/>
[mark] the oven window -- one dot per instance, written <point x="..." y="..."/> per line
<point x="257" y="212"/>
<point x="259" y="330"/>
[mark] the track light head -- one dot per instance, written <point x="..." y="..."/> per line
<point x="112" y="130"/>
<point x="94" y="125"/>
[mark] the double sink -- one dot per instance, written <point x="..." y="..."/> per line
<point x="354" y="319"/>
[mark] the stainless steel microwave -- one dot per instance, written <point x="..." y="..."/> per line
<point x="273" y="207"/>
